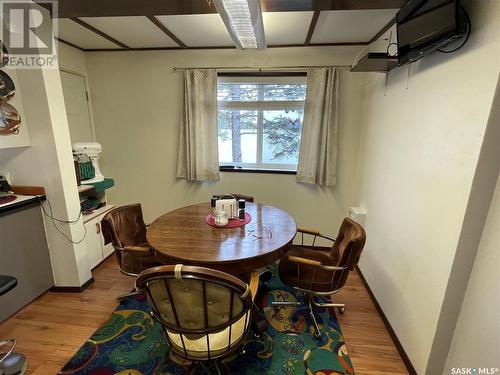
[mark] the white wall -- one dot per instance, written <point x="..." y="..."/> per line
<point x="48" y="162"/>
<point x="478" y="205"/>
<point x="421" y="143"/>
<point x="137" y="102"/>
<point x="476" y="341"/>
<point x="72" y="59"/>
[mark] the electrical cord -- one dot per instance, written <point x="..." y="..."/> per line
<point x="54" y="220"/>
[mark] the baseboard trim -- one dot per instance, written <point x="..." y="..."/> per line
<point x="394" y="337"/>
<point x="72" y="289"/>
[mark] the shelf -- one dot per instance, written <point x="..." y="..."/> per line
<point x="376" y="62"/>
<point x="101" y="185"/>
<point x="84" y="188"/>
<point x="98" y="212"/>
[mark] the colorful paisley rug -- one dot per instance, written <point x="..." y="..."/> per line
<point x="131" y="343"/>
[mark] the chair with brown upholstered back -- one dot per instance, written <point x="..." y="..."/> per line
<point x="124" y="227"/>
<point x="319" y="271"/>
<point x="205" y="313"/>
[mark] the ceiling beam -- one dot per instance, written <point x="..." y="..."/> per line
<point x="355" y="44"/>
<point x="301" y="5"/>
<point x="312" y="26"/>
<point x="115" y="8"/>
<point x="156" y="49"/>
<point x="163" y="28"/>
<point x="69" y="44"/>
<point x="99" y="32"/>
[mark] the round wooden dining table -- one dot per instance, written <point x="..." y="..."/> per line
<point x="183" y="236"/>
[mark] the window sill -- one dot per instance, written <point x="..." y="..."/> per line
<point x="256" y="170"/>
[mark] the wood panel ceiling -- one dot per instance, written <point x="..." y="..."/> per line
<point x="97" y="25"/>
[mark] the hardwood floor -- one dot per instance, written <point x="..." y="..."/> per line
<point x="370" y="346"/>
<point x="50" y="330"/>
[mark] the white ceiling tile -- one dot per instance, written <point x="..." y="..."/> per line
<point x="134" y="32"/>
<point x="286" y="27"/>
<point x="198" y="30"/>
<point x="350" y="26"/>
<point x="72" y="32"/>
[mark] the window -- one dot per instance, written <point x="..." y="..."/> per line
<point x="260" y="121"/>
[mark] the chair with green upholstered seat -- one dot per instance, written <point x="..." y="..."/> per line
<point x="205" y="313"/>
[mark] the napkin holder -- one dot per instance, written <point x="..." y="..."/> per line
<point x="229" y="204"/>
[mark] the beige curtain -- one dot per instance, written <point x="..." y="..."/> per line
<point x="198" y="148"/>
<point x="318" y="144"/>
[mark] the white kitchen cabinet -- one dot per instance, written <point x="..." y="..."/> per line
<point x="25" y="255"/>
<point x="96" y="250"/>
<point x="108" y="249"/>
<point x="22" y="139"/>
<point x="93" y="240"/>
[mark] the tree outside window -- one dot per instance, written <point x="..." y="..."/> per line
<point x="260" y="122"/>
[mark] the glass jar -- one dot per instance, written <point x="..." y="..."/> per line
<point x="221" y="218"/>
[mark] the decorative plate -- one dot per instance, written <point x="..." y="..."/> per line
<point x="7" y="87"/>
<point x="4" y="55"/>
<point x="10" y="120"/>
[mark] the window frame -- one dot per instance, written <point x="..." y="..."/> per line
<point x="259" y="107"/>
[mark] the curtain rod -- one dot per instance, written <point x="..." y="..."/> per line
<point x="301" y="67"/>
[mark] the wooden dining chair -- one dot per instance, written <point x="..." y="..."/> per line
<point x="205" y="313"/>
<point x="317" y="271"/>
<point x="124" y="227"/>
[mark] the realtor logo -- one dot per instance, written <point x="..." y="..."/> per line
<point x="27" y="32"/>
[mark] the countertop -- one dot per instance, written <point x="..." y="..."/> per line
<point x="20" y="202"/>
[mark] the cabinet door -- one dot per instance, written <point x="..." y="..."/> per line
<point x="108" y="249"/>
<point x="24" y="254"/>
<point x="77" y="109"/>
<point x="93" y="240"/>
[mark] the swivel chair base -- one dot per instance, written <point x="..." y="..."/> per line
<point x="12" y="363"/>
<point x="309" y="300"/>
